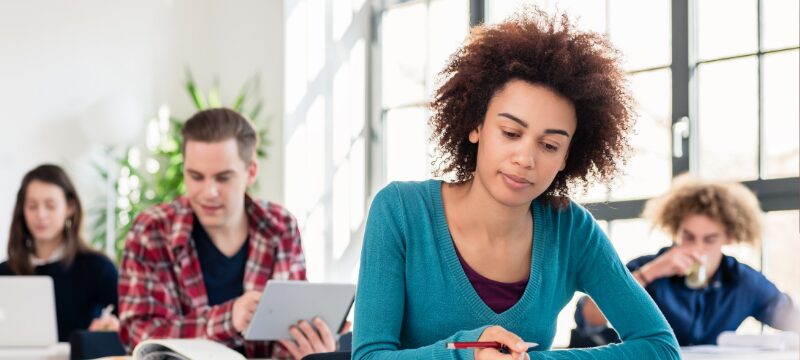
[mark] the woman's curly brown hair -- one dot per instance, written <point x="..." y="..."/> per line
<point x="580" y="66"/>
<point x="731" y="204"/>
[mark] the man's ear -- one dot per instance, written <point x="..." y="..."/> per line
<point x="252" y="172"/>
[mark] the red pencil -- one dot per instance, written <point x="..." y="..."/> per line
<point x="482" y="344"/>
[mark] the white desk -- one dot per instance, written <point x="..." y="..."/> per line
<point x="716" y="353"/>
<point x="59" y="351"/>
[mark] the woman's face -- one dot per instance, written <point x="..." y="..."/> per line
<point x="46" y="211"/>
<point x="703" y="235"/>
<point x="523" y="142"/>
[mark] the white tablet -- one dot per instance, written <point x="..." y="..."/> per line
<point x="285" y="302"/>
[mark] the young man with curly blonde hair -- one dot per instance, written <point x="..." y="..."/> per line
<point x="702" y="217"/>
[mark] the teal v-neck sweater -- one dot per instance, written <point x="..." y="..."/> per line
<point x="413" y="295"/>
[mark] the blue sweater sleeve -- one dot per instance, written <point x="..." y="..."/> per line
<point x="600" y="273"/>
<point x="770" y="306"/>
<point x="380" y="297"/>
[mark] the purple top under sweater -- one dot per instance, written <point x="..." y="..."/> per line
<point x="499" y="296"/>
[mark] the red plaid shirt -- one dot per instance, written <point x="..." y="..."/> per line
<point x="161" y="288"/>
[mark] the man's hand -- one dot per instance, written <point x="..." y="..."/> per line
<point x="309" y="339"/>
<point x="244" y="308"/>
<point x="676" y="261"/>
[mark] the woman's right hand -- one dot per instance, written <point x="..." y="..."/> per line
<point x="516" y="347"/>
<point x="676" y="261"/>
<point x="105" y="323"/>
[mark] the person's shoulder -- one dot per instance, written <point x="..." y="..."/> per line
<point x="274" y="216"/>
<point x="561" y="206"/>
<point x="747" y="281"/>
<point x="409" y="188"/>
<point x="566" y="213"/>
<point x="413" y="187"/>
<point x="161" y="219"/>
<point x="163" y="213"/>
<point x="578" y="210"/>
<point x="741" y="273"/>
<point x="397" y="193"/>
<point x="733" y="266"/>
<point x="95" y="260"/>
<point x="404" y="205"/>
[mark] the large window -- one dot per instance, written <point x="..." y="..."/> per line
<point x="744" y="74"/>
<point x="325" y="130"/>
<point x="743" y="71"/>
<point x="747" y="86"/>
<point x="416" y="39"/>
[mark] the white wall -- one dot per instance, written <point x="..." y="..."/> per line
<point x="57" y="58"/>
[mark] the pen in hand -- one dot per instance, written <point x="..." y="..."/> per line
<point x="483" y="344"/>
<point x="107" y="311"/>
<point x="106" y="321"/>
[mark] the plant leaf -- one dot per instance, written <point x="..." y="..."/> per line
<point x="213" y="95"/>
<point x="195" y="94"/>
<point x="238" y="104"/>
<point x="256" y="111"/>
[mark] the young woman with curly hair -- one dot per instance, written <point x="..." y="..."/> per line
<point x="527" y="110"/>
<point x="701" y="291"/>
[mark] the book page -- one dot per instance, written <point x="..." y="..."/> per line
<point x="184" y="349"/>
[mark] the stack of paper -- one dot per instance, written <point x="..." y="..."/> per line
<point x="782" y="341"/>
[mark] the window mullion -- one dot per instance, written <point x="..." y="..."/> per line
<point x="680" y="81"/>
<point x="760" y="62"/>
<point x="477" y="12"/>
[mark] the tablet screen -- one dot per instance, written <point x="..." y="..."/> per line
<point x="285" y="302"/>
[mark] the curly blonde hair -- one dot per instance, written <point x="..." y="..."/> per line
<point x="732" y="205"/>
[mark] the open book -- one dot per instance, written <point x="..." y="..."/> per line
<point x="184" y="349"/>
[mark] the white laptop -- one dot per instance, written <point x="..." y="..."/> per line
<point x="27" y="312"/>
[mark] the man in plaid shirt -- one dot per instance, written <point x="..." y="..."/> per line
<point x="195" y="267"/>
